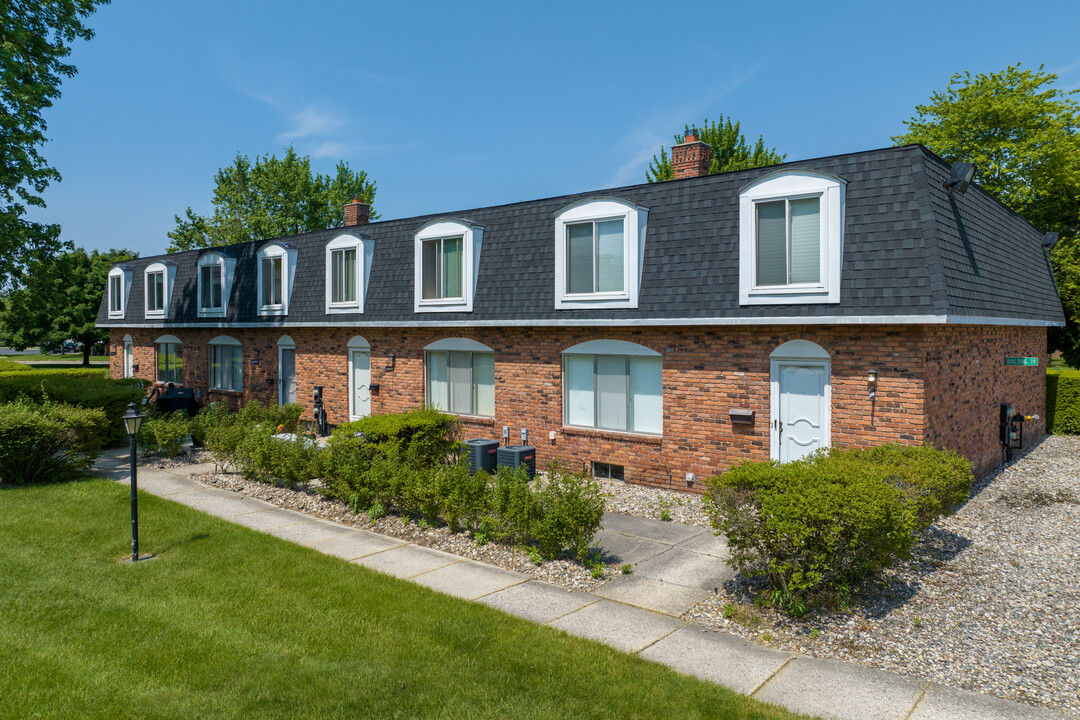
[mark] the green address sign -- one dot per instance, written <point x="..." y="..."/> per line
<point x="1021" y="361"/>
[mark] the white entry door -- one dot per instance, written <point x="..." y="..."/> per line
<point x="359" y="384"/>
<point x="287" y="375"/>
<point x="800" y="409"/>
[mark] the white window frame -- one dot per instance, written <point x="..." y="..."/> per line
<point x="226" y="264"/>
<point x="288" y="254"/>
<point x="365" y="250"/>
<point x="168" y="340"/>
<point x="793" y="185"/>
<point x="223" y="341"/>
<point x="124" y="275"/>
<point x="635" y="222"/>
<point x="472" y="241"/>
<point x="168" y="273"/>
<point x="616" y="348"/>
<point x="449" y="345"/>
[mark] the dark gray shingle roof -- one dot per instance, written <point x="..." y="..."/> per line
<point x="910" y="249"/>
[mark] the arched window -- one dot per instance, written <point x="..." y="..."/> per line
<point x="460" y="377"/>
<point x="599" y="246"/>
<point x="348" y="264"/>
<point x="791" y="244"/>
<point x="119" y="289"/>
<point x="276" y="272"/>
<point x="613" y="385"/>
<point x="158" y="281"/>
<point x="214" y="284"/>
<point x="447" y="257"/>
<point x="226" y="364"/>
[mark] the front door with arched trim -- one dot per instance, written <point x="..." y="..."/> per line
<point x="800" y="400"/>
<point x="359" y="384"/>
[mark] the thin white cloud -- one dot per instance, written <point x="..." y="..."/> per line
<point x="1066" y="69"/>
<point x="312" y="122"/>
<point x="332" y="149"/>
<point x="645" y="140"/>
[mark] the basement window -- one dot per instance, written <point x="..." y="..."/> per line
<point x="607" y="471"/>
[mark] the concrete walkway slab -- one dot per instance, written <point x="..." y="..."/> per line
<point x="707" y="544"/>
<point x="683" y="567"/>
<point x="942" y="703"/>
<point x="538" y="601"/>
<point x="717" y="657"/>
<point x="268" y="518"/>
<point x="620" y="626"/>
<point x="163" y="484"/>
<point x="407" y="561"/>
<point x="623" y="549"/>
<point x="469" y="580"/>
<point x="840" y="690"/>
<point x="648" y="529"/>
<point x="309" y="530"/>
<point x="221" y="503"/>
<point x="350" y="546"/>
<point x="651" y="594"/>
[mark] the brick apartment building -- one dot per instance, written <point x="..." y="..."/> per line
<point x="658" y="333"/>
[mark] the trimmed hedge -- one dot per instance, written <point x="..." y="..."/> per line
<point x="87" y="388"/>
<point x="1063" y="402"/>
<point x="164" y="434"/>
<point x="814" y="529"/>
<point x="45" y="442"/>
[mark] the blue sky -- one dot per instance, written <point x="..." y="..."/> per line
<point x="457" y="105"/>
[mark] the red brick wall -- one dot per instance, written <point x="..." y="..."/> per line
<point x="967" y="380"/>
<point x="706" y="372"/>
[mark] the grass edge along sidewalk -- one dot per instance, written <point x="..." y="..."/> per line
<point x="229" y="622"/>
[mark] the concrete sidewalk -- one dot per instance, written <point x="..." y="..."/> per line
<point x="675" y="566"/>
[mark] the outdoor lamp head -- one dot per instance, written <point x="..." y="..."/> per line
<point x="132" y="420"/>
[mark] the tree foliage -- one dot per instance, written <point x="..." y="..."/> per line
<point x="271" y="198"/>
<point x="1023" y="134"/>
<point x="35" y="38"/>
<point x="730" y="150"/>
<point x="59" y="300"/>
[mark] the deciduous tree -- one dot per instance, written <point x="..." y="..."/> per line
<point x="271" y="198"/>
<point x="58" y="300"/>
<point x="35" y="38"/>
<point x="1023" y="134"/>
<point x="730" y="150"/>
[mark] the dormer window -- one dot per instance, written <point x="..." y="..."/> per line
<point x="599" y="246"/>
<point x="215" y="284"/>
<point x="277" y="268"/>
<point x="158" y="284"/>
<point x="791" y="238"/>
<point x="118" y="288"/>
<point x="348" y="263"/>
<point x="447" y="256"/>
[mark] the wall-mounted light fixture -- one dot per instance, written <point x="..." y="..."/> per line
<point x="1050" y="239"/>
<point x="871" y="383"/>
<point x="960" y="176"/>
<point x="390" y="359"/>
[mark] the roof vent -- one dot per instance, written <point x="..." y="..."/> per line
<point x="960" y="177"/>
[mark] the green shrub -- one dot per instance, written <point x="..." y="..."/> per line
<point x="87" y="389"/>
<point x="464" y="496"/>
<point x="164" y="434"/>
<point x="223" y="432"/>
<point x="262" y="456"/>
<point x="815" y="528"/>
<point x="423" y="438"/>
<point x="46" y="442"/>
<point x="209" y="418"/>
<point x="1063" y="402"/>
<point x="512" y="509"/>
<point x="7" y="365"/>
<point x="569" y="510"/>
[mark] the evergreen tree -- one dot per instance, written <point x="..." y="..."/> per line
<point x="730" y="150"/>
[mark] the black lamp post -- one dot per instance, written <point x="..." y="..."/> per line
<point x="132" y="420"/>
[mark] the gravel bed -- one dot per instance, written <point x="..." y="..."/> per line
<point x="641" y="501"/>
<point x="566" y="573"/>
<point x="989" y="602"/>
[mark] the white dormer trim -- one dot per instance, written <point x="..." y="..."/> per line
<point x="793" y="184"/>
<point x="471" y="243"/>
<point x="227" y="265"/>
<point x="365" y="251"/>
<point x="125" y="274"/>
<point x="635" y="222"/>
<point x="287" y="253"/>
<point x="168" y="271"/>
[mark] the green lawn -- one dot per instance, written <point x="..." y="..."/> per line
<point x="230" y="623"/>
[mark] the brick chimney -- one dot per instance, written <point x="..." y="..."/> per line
<point x="357" y="212"/>
<point x="691" y="159"/>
